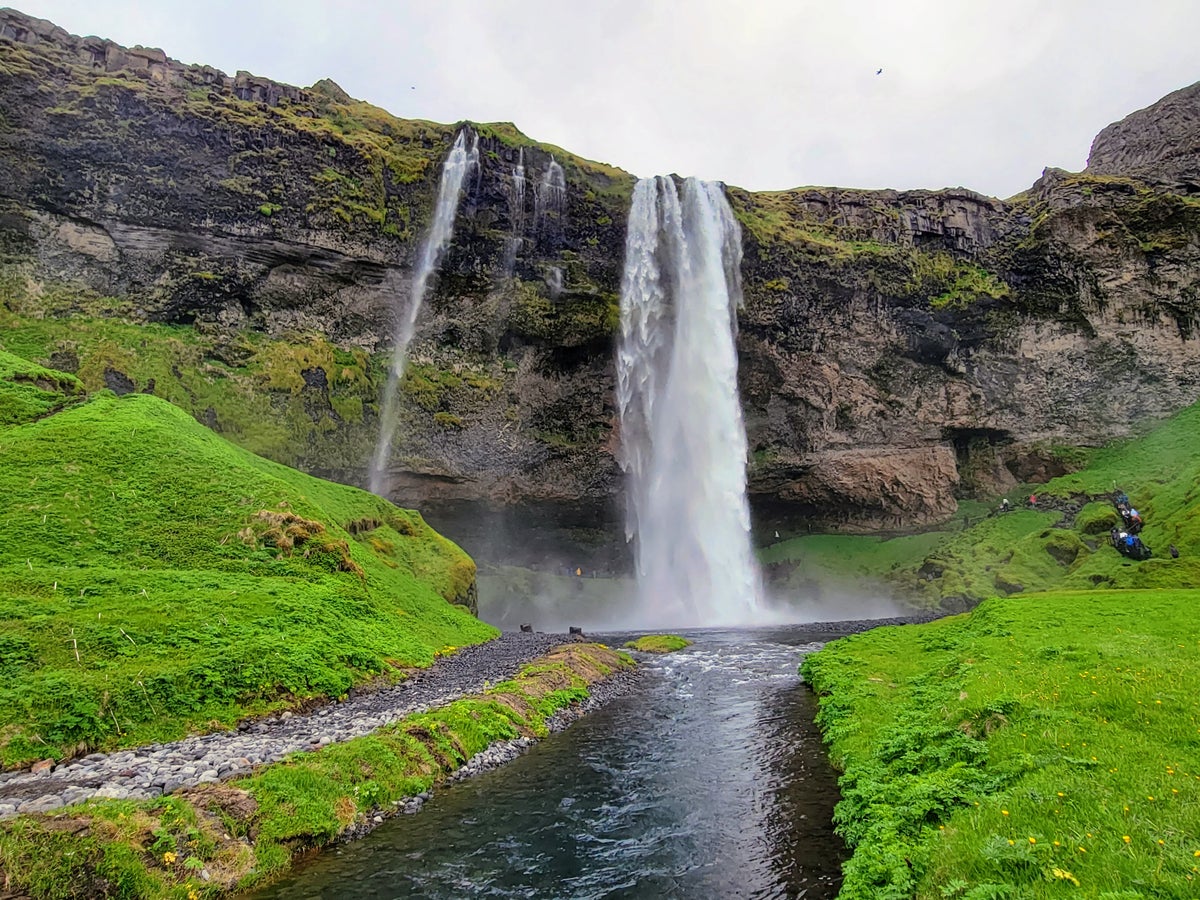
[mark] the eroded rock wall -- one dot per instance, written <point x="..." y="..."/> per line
<point x="898" y="348"/>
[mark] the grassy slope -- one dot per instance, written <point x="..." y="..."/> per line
<point x="159" y="551"/>
<point x="1042" y="746"/>
<point x="1047" y="744"/>
<point x="1022" y="551"/>
<point x="29" y="391"/>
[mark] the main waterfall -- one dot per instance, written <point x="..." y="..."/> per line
<point x="683" y="443"/>
<point x="454" y="170"/>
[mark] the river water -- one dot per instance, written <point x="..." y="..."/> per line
<point x="708" y="780"/>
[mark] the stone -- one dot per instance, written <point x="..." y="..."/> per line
<point x="42" y="766"/>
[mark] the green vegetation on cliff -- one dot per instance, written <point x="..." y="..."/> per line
<point x="1041" y="746"/>
<point x="155" y="579"/>
<point x="1062" y="545"/>
<point x="244" y="831"/>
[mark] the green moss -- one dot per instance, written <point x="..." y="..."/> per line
<point x="155" y="579"/>
<point x="247" y="387"/>
<point x="658" y="643"/>
<point x="1040" y="747"/>
<point x="29" y="392"/>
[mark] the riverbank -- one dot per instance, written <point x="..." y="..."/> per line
<point x="1040" y="746"/>
<point x="217" y="836"/>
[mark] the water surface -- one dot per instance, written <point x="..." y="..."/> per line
<point x="709" y="780"/>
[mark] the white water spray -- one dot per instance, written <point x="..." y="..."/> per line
<point x="550" y="199"/>
<point x="455" y="169"/>
<point x="683" y="443"/>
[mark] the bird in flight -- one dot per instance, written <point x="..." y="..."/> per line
<point x="879" y="71"/>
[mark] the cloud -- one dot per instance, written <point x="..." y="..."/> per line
<point x="767" y="95"/>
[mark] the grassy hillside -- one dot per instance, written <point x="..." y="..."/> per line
<point x="1062" y="545"/>
<point x="156" y="579"/>
<point x="1040" y="747"/>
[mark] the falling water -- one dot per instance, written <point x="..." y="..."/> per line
<point x="554" y="281"/>
<point x="683" y="444"/>
<point x="516" y="214"/>
<point x="550" y="200"/>
<point x="456" y="167"/>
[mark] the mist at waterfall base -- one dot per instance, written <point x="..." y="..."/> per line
<point x="683" y="442"/>
<point x="455" y="169"/>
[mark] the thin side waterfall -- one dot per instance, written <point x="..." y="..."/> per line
<point x="455" y="169"/>
<point x="683" y="443"/>
<point x="550" y="201"/>
<point x="516" y="214"/>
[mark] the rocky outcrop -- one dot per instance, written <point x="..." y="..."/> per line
<point x="898" y="348"/>
<point x="1160" y="142"/>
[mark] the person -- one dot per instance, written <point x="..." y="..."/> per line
<point x="1174" y="551"/>
<point x="1135" y="521"/>
<point x="1004" y="505"/>
<point x="1033" y="501"/>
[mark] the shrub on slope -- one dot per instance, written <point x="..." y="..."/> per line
<point x="155" y="579"/>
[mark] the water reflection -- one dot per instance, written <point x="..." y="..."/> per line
<point x="709" y="781"/>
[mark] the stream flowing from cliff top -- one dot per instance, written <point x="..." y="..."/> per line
<point x="683" y="442"/>
<point x="455" y="169"/>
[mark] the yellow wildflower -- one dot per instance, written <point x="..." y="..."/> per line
<point x="1065" y="875"/>
<point x="1125" y="839"/>
<point x="1004" y="812"/>
<point x="1033" y="840"/>
<point x="169" y="858"/>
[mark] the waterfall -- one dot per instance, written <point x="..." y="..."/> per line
<point x="516" y="214"/>
<point x="550" y="201"/>
<point x="454" y="170"/>
<point x="683" y="443"/>
<point x="554" y="281"/>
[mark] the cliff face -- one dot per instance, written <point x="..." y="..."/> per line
<point x="897" y="347"/>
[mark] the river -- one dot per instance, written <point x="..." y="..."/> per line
<point x="708" y="780"/>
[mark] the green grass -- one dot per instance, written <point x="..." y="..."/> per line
<point x="659" y="643"/>
<point x="846" y="560"/>
<point x="1024" y="551"/>
<point x="155" y="580"/>
<point x="29" y="391"/>
<point x="1010" y="752"/>
<point x="249" y="388"/>
<point x="245" y="831"/>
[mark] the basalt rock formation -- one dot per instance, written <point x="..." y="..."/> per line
<point x="235" y="245"/>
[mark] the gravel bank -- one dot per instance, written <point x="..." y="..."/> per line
<point x="162" y="768"/>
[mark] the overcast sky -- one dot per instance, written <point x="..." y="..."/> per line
<point x="766" y="95"/>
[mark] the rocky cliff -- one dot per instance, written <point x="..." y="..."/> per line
<point x="240" y="248"/>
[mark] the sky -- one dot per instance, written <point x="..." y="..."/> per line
<point x="763" y="94"/>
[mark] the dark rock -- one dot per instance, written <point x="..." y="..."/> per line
<point x="118" y="382"/>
